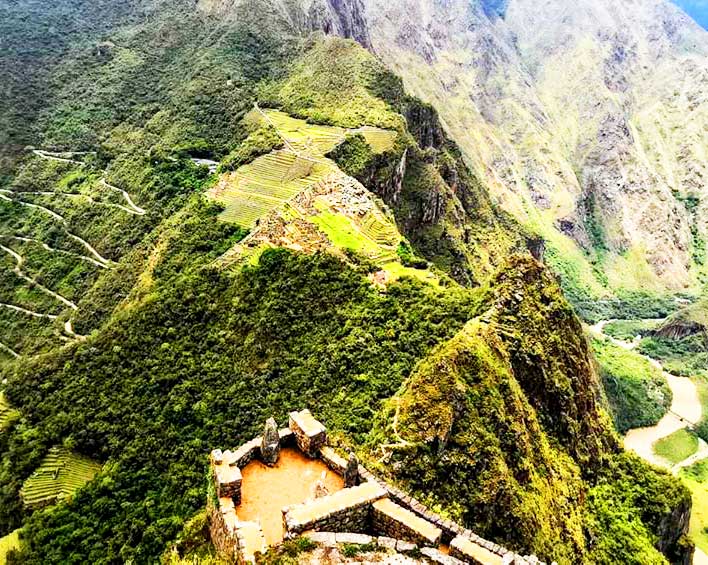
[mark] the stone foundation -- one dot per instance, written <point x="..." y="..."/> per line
<point x="310" y="435"/>
<point x="392" y="520"/>
<point x="227" y="478"/>
<point x="373" y="507"/>
<point x="470" y="552"/>
<point x="348" y="510"/>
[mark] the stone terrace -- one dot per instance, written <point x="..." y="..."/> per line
<point x="282" y="466"/>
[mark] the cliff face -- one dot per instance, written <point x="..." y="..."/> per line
<point x="586" y="119"/>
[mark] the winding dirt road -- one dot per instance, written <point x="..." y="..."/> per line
<point x="134" y="208"/>
<point x="685" y="410"/>
<point x="18" y="271"/>
<point x="55" y="250"/>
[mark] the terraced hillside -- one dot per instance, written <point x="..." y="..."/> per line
<point x="59" y="476"/>
<point x="7" y="414"/>
<point x="270" y="180"/>
<point x="9" y="543"/>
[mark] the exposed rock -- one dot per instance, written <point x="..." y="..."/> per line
<point x="351" y="473"/>
<point x="270" y="444"/>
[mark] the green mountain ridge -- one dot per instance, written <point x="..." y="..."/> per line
<point x="171" y="350"/>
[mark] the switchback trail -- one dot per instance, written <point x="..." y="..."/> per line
<point x="55" y="156"/>
<point x="18" y="271"/>
<point x="86" y="244"/>
<point x="134" y="208"/>
<point x="76" y="195"/>
<point x="55" y="250"/>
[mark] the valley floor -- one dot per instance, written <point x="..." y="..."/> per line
<point x="686" y="412"/>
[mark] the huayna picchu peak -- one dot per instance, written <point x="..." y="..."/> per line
<point x="353" y="281"/>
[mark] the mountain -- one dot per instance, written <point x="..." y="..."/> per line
<point x="586" y="120"/>
<point x="216" y="212"/>
<point x="697" y="9"/>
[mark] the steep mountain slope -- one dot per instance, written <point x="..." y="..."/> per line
<point x="183" y="340"/>
<point x="586" y="119"/>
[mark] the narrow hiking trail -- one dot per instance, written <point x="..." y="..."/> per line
<point x="20" y="273"/>
<point x="686" y="410"/>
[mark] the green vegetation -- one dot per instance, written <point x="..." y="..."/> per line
<point x="59" y="476"/>
<point x="696" y="478"/>
<point x="9" y="543"/>
<point x="353" y="155"/>
<point x="266" y="184"/>
<point x="478" y="408"/>
<point x="182" y="355"/>
<point x="684" y="357"/>
<point x="676" y="447"/>
<point x="7" y="414"/>
<point x="270" y="180"/>
<point x="408" y="258"/>
<point x="627" y="330"/>
<point x="626" y="508"/>
<point x="288" y="552"/>
<point x="636" y="390"/>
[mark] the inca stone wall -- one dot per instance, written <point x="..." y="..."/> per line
<point x="348" y="510"/>
<point x="390" y="519"/>
<point x="367" y="506"/>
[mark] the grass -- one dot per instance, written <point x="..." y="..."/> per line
<point x="60" y="475"/>
<point x="343" y="233"/>
<point x="676" y="447"/>
<point x="396" y="270"/>
<point x="8" y="543"/>
<point x="636" y="390"/>
<point x="627" y="330"/>
<point x="696" y="479"/>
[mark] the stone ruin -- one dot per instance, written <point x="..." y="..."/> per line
<point x="367" y="511"/>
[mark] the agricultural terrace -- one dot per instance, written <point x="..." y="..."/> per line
<point x="60" y="475"/>
<point x="269" y="181"/>
<point x="8" y="543"/>
<point x="7" y="414"/>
